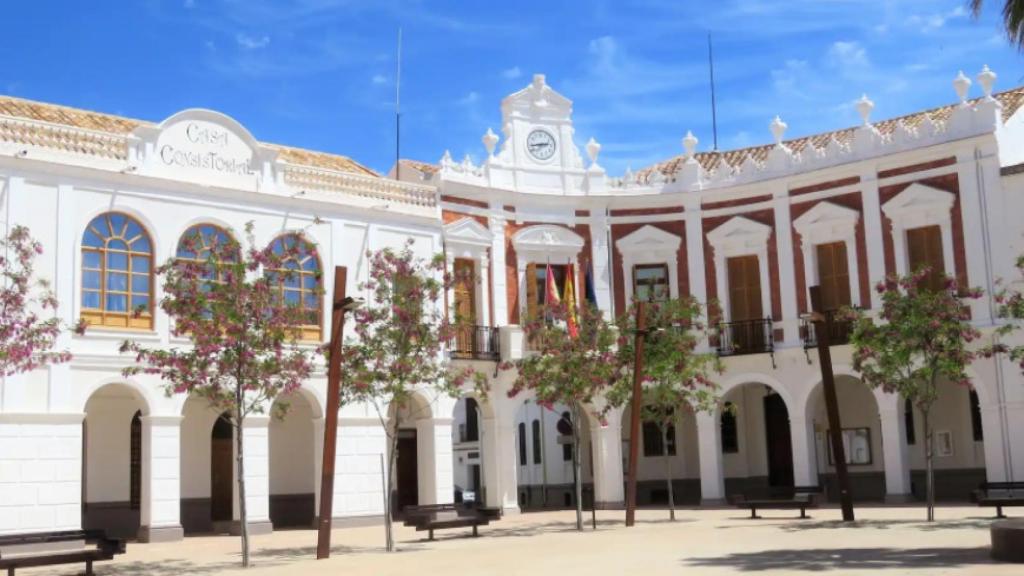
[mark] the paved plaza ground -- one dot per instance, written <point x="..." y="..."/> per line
<point x="884" y="541"/>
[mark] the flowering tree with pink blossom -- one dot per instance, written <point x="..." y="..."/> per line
<point x="676" y="377"/>
<point x="561" y="369"/>
<point x="243" y="329"/>
<point x="27" y="335"/>
<point x="1011" y="309"/>
<point x="398" y="346"/>
<point x="920" y="336"/>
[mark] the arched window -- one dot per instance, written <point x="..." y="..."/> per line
<point x="300" y="281"/>
<point x="117" y="273"/>
<point x="197" y="242"/>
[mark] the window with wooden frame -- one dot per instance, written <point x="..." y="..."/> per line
<point x="924" y="248"/>
<point x="744" y="288"/>
<point x="117" y="273"/>
<point x="536" y="286"/>
<point x="198" y="241"/>
<point x="650" y="282"/>
<point x="833" y="275"/>
<point x="299" y="281"/>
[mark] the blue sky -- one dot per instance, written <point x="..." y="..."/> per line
<point x="320" y="74"/>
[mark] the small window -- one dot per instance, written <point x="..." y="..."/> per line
<point x="908" y="421"/>
<point x="650" y="282"/>
<point x="730" y="434"/>
<point x="522" y="444"/>
<point x="654" y="444"/>
<point x="978" y="431"/>
<point x="117" y="273"/>
<point x="536" y="442"/>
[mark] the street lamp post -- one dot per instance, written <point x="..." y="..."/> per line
<point x="340" y="305"/>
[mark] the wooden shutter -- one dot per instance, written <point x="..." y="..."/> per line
<point x="744" y="288"/>
<point x="924" y="248"/>
<point x="531" y="291"/>
<point x="833" y="275"/>
<point x="464" y="302"/>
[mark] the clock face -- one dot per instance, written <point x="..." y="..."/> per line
<point x="541" y="144"/>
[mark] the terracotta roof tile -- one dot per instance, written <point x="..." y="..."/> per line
<point x="76" y="118"/>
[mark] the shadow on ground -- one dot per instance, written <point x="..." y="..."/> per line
<point x="798" y="525"/>
<point x="823" y="559"/>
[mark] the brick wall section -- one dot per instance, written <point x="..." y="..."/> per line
<point x="949" y="183"/>
<point x="676" y="227"/>
<point x="648" y="211"/>
<point x="766" y="217"/>
<point x="852" y="201"/>
<point x="448" y="216"/>
<point x="824" y="186"/>
<point x="734" y="203"/>
<point x="917" y="167"/>
<point x="464" y="201"/>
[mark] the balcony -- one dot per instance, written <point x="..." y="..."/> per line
<point x="475" y="343"/>
<point x="745" y="337"/>
<point x="838" y="335"/>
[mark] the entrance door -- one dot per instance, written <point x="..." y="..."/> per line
<point x="745" y="303"/>
<point x="221" y="474"/>
<point x="408" y="489"/>
<point x="833" y="275"/>
<point x="780" y="448"/>
<point x="464" y="304"/>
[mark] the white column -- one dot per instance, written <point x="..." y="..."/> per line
<point x="256" y="454"/>
<point x="695" y="258"/>
<point x="490" y="454"/>
<point x="972" y="186"/>
<point x="873" y="233"/>
<point x="805" y="464"/>
<point x="787" y="274"/>
<point x="712" y="478"/>
<point x="853" y="266"/>
<point x="434" y="461"/>
<point x="600" y="253"/>
<point x="483" y="293"/>
<point x="899" y="249"/>
<point x="60" y="381"/>
<point x="449" y="294"/>
<point x="161" y="482"/>
<point x="609" y="490"/>
<point x="498" y="280"/>
<point x="627" y="280"/>
<point x="722" y="285"/>
<point x="894" y="451"/>
<point x="507" y="492"/>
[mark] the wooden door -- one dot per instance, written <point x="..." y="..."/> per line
<point x="779" y="444"/>
<point x="833" y="275"/>
<point x="221" y="472"/>
<point x="464" y="304"/>
<point x="744" y="276"/>
<point x="407" y="476"/>
<point x="924" y="248"/>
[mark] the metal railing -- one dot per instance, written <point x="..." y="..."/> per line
<point x="475" y="343"/>
<point x="745" y="337"/>
<point x="839" y="334"/>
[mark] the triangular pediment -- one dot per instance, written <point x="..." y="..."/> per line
<point x="537" y="97"/>
<point x="648" y="238"/>
<point x="546" y="236"/>
<point x="826" y="214"/>
<point x="739" y="228"/>
<point x="919" y="198"/>
<point x="468" y="231"/>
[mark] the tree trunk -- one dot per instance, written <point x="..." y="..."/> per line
<point x="929" y="453"/>
<point x="242" y="513"/>
<point x="668" y="473"/>
<point x="576" y="466"/>
<point x="389" y="496"/>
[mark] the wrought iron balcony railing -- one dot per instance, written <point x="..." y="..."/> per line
<point x="475" y="343"/>
<point x="745" y="337"/>
<point x="841" y="328"/>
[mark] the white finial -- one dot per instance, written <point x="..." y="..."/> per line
<point x="628" y="176"/>
<point x="689" y="144"/>
<point x="593" y="149"/>
<point x="490" y="140"/>
<point x="864" y="108"/>
<point x="778" y="128"/>
<point x="538" y="81"/>
<point x="446" y="160"/>
<point x="987" y="78"/>
<point x="467" y="162"/>
<point x="961" y="84"/>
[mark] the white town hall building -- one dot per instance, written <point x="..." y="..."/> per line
<point x="110" y="197"/>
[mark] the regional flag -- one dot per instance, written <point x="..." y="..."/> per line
<point x="570" y="302"/>
<point x="550" y="287"/>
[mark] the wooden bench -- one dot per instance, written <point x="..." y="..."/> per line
<point x="803" y="497"/>
<point x="37" y="549"/>
<point x="999" y="494"/>
<point x="440" y="516"/>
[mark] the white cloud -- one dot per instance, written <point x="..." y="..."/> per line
<point x="511" y="73"/>
<point x="847" y="55"/>
<point x="250" y="42"/>
<point x="379" y="79"/>
<point x="932" y="22"/>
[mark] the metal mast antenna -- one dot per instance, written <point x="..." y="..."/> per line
<point x="714" y="117"/>
<point x="398" y="109"/>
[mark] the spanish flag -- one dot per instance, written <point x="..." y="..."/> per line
<point x="550" y="287"/>
<point x="569" y="299"/>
